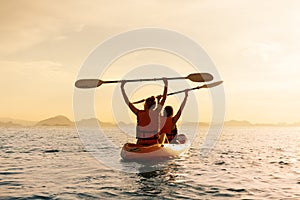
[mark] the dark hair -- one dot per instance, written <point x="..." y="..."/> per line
<point x="168" y="111"/>
<point x="150" y="102"/>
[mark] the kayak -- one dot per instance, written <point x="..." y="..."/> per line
<point x="137" y="152"/>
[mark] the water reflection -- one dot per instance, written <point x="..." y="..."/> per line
<point x="153" y="179"/>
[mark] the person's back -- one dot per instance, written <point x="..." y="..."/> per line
<point x="148" y="118"/>
<point x="168" y="122"/>
<point x="147" y="124"/>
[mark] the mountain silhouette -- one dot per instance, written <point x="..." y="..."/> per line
<point x="9" y="124"/>
<point x="58" y="120"/>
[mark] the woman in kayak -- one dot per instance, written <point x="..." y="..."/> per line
<point x="168" y="122"/>
<point x="148" y="118"/>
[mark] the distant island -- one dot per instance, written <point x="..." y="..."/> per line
<point x="62" y="121"/>
<point x="56" y="121"/>
<point x="59" y="120"/>
<point x="9" y="124"/>
<point x="93" y="122"/>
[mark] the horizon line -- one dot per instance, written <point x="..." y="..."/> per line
<point x="183" y="122"/>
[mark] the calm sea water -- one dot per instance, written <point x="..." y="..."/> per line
<point x="246" y="163"/>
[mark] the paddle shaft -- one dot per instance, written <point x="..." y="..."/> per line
<point x="172" y="93"/>
<point x="144" y="79"/>
<point x="181" y="91"/>
<point x="93" y="83"/>
<point x="199" y="87"/>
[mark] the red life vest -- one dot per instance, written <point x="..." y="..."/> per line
<point x="166" y="124"/>
<point x="147" y="127"/>
<point x="168" y="127"/>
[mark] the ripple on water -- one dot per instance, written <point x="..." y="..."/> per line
<point x="30" y="197"/>
<point x="10" y="183"/>
<point x="9" y="151"/>
<point x="86" y="196"/>
<point x="236" y="190"/>
<point x="10" y="173"/>
<point x="223" y="195"/>
<point x="52" y="151"/>
<point x="283" y="163"/>
<point x="219" y="162"/>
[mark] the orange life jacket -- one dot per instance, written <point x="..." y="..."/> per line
<point x="168" y="127"/>
<point x="147" y="127"/>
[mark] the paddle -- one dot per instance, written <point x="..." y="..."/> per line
<point x="93" y="83"/>
<point x="210" y="85"/>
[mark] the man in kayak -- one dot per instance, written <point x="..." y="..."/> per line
<point x="168" y="122"/>
<point x="148" y="118"/>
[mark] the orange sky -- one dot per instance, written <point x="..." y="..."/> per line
<point x="254" y="44"/>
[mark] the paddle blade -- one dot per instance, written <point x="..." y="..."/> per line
<point x="88" y="83"/>
<point x="210" y="85"/>
<point x="200" y="77"/>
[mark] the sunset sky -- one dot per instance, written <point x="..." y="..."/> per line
<point x="255" y="46"/>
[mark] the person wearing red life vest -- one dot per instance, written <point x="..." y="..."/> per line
<point x="147" y="119"/>
<point x="168" y="122"/>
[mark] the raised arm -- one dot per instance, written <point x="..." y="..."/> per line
<point x="178" y="114"/>
<point x="158" y="98"/>
<point x="162" y="101"/>
<point x="131" y="106"/>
